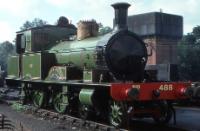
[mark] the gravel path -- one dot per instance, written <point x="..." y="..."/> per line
<point x="187" y="120"/>
<point x="31" y="123"/>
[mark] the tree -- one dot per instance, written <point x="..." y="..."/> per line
<point x="34" y="23"/>
<point x="103" y="29"/>
<point x="6" y="49"/>
<point x="196" y="32"/>
<point x="62" y="21"/>
<point x="189" y="54"/>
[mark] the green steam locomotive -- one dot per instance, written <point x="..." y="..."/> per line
<point x="81" y="72"/>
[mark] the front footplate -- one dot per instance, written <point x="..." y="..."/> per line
<point x="150" y="91"/>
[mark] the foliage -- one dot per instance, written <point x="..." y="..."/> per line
<point x="196" y="32"/>
<point x="62" y="21"/>
<point x="34" y="23"/>
<point x="189" y="54"/>
<point x="103" y="29"/>
<point x="6" y="49"/>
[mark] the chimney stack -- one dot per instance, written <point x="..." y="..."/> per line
<point x="87" y="29"/>
<point x="120" y="20"/>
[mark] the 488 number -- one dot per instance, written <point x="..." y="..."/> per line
<point x="166" y="87"/>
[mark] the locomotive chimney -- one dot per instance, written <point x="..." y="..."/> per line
<point x="120" y="20"/>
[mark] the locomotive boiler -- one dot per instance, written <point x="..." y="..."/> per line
<point x="90" y="75"/>
<point x="121" y="52"/>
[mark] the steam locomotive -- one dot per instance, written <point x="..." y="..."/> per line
<point x="95" y="76"/>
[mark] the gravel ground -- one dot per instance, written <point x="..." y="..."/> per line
<point x="30" y="123"/>
<point x="33" y="123"/>
<point x="187" y="120"/>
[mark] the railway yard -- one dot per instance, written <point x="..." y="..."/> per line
<point x="134" y="77"/>
<point x="28" y="118"/>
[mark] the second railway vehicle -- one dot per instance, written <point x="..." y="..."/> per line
<point x="101" y="76"/>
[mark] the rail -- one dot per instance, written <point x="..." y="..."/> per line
<point x="5" y="123"/>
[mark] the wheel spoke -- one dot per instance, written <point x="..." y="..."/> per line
<point x="59" y="105"/>
<point x="117" y="114"/>
<point x="38" y="98"/>
<point x="119" y="119"/>
<point x="120" y="113"/>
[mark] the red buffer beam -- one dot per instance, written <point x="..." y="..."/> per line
<point x="150" y="91"/>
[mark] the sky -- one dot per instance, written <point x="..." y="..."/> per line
<point x="13" y="13"/>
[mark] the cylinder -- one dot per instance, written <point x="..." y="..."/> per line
<point x="85" y="96"/>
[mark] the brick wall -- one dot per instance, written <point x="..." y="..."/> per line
<point x="162" y="50"/>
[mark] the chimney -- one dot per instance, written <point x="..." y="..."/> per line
<point x="87" y="29"/>
<point x="120" y="20"/>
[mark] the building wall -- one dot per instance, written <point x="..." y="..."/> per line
<point x="161" y="32"/>
<point x="151" y="49"/>
<point x="156" y="24"/>
<point x="167" y="51"/>
<point x="161" y="50"/>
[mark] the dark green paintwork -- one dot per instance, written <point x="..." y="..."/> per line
<point x="13" y="66"/>
<point x="85" y="96"/>
<point x="87" y="76"/>
<point x="37" y="65"/>
<point x="60" y="103"/>
<point x="28" y="35"/>
<point x="43" y="38"/>
<point x="57" y="73"/>
<point x="60" y="100"/>
<point x="31" y="66"/>
<point x="38" y="98"/>
<point x="79" y="53"/>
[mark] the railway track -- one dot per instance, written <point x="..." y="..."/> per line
<point x="64" y="120"/>
<point x="5" y="123"/>
<point x="72" y="121"/>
